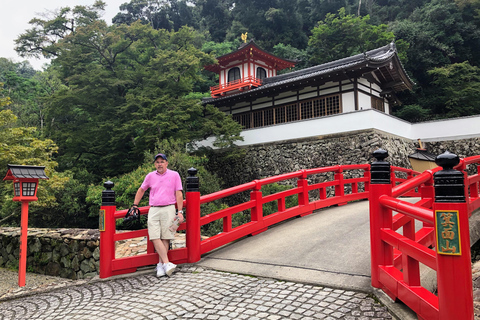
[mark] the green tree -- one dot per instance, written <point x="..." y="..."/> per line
<point x="269" y="22"/>
<point x="292" y="53"/>
<point x="18" y="145"/>
<point x="215" y="17"/>
<point x="341" y="35"/>
<point x="159" y="14"/>
<point x="124" y="89"/>
<point x="440" y="36"/>
<point x="458" y="90"/>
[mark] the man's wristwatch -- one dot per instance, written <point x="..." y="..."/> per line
<point x="134" y="205"/>
<point x="180" y="211"/>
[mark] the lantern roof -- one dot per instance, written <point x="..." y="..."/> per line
<point x="29" y="172"/>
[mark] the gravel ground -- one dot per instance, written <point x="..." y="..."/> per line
<point x="33" y="283"/>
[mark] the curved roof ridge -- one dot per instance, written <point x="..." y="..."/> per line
<point x="375" y="55"/>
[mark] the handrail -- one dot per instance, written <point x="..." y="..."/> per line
<point x="410" y="209"/>
<point x="234" y="83"/>
<point x="413" y="183"/>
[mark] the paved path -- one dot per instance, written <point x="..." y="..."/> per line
<point x="330" y="247"/>
<point x="195" y="293"/>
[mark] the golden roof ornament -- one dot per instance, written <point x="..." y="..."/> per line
<point x="244" y="37"/>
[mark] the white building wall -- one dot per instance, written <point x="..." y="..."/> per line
<point x="348" y="101"/>
<point x="364" y="101"/>
<point x="452" y="129"/>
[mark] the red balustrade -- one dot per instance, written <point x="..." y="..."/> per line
<point x="239" y="84"/>
<point x="396" y="255"/>
<point x="311" y="196"/>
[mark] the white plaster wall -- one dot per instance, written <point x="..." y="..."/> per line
<point x="308" y="95"/>
<point x="452" y="129"/>
<point x="328" y="85"/>
<point x="262" y="105"/>
<point x="348" y="102"/>
<point x="244" y="109"/>
<point x="286" y="100"/>
<point x="364" y="101"/>
<point x="364" y="82"/>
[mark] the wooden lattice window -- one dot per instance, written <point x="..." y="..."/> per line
<point x="244" y="119"/>
<point x="292" y="113"/>
<point x="268" y="117"/>
<point x="317" y="107"/>
<point x="306" y="111"/>
<point x="280" y="115"/>
<point x="332" y="104"/>
<point x="258" y="119"/>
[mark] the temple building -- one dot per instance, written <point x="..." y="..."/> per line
<point x="256" y="96"/>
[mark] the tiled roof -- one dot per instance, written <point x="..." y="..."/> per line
<point x="19" y="171"/>
<point x="422" y="154"/>
<point x="371" y="59"/>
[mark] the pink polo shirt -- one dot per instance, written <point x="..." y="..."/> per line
<point x="162" y="187"/>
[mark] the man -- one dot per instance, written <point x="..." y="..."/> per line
<point x="165" y="190"/>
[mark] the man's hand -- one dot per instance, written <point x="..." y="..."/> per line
<point x="180" y="216"/>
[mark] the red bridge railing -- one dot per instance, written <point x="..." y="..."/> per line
<point x="315" y="189"/>
<point x="440" y="240"/>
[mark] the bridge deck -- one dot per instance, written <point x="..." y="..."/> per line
<point x="330" y="247"/>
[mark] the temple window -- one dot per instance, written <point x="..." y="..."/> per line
<point x="261" y="73"/>
<point x="234" y="74"/>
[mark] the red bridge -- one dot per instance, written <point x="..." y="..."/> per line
<point x="431" y="229"/>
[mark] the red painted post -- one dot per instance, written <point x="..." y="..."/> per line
<point x="380" y="217"/>
<point x="257" y="211"/>
<point x="193" y="236"/>
<point x="303" y="195"/>
<point x="256" y="195"/>
<point x="22" y="263"/>
<point x="452" y="234"/>
<point x="107" y="230"/>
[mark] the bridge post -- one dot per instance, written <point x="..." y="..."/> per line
<point x="340" y="188"/>
<point x="303" y="199"/>
<point x="380" y="216"/>
<point x="106" y="227"/>
<point x="256" y="212"/>
<point x="193" y="236"/>
<point x="452" y="234"/>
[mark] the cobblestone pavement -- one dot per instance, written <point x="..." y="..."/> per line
<point x="194" y="293"/>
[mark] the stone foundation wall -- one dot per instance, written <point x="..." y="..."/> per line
<point x="265" y="160"/>
<point x="67" y="253"/>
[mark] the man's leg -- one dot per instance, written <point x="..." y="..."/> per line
<point x="162" y="249"/>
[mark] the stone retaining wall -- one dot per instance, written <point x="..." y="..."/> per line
<point x="67" y="253"/>
<point x="272" y="159"/>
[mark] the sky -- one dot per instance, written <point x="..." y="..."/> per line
<point x="15" y="15"/>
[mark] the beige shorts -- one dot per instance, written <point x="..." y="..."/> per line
<point x="159" y="220"/>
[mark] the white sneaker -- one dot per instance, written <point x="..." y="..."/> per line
<point x="160" y="270"/>
<point x="169" y="268"/>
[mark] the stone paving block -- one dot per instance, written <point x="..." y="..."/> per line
<point x="204" y="294"/>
